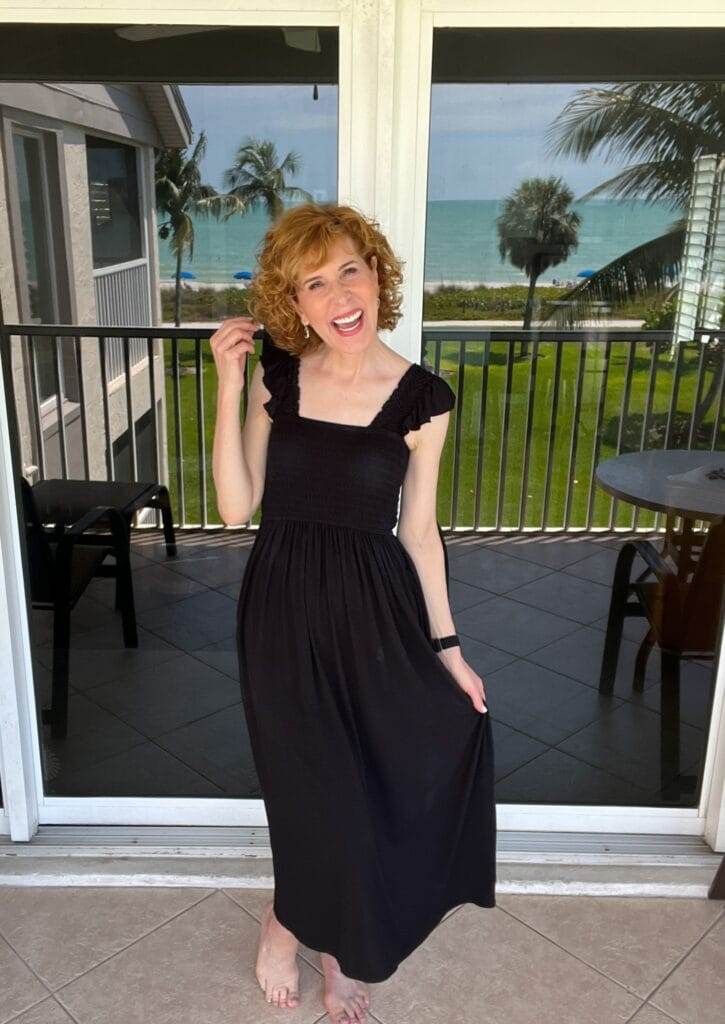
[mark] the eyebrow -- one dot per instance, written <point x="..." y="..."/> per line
<point x="315" y="276"/>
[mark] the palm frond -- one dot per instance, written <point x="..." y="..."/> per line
<point x="667" y="183"/>
<point x="647" y="268"/>
<point x="661" y="126"/>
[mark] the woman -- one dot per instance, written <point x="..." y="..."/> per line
<point x="372" y="742"/>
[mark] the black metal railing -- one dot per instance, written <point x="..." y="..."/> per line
<point x="526" y="434"/>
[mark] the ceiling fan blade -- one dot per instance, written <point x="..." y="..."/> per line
<point x="298" y="38"/>
<point x="302" y="38"/>
<point x="144" y="33"/>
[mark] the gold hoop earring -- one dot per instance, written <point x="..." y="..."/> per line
<point x="307" y="332"/>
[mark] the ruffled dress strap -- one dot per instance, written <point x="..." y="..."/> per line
<point x="278" y="366"/>
<point x="429" y="396"/>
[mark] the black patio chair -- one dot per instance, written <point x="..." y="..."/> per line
<point x="69" y="500"/>
<point x="61" y="564"/>
<point x="683" y="616"/>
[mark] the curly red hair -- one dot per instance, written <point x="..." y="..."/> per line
<point x="302" y="237"/>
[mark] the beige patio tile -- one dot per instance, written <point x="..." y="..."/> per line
<point x="196" y="969"/>
<point x="254" y="900"/>
<point x="19" y="988"/>
<point x="695" y="991"/>
<point x="47" y="1012"/>
<point x="483" y="965"/>
<point x="62" y="932"/>
<point x="635" y="941"/>
<point x="649" y="1015"/>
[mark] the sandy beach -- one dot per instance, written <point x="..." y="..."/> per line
<point x="463" y="324"/>
<point x="428" y="286"/>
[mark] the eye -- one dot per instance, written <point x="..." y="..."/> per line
<point x="353" y="269"/>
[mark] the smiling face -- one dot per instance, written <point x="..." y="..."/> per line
<point x="341" y="288"/>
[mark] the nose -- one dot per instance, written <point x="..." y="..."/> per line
<point x="341" y="297"/>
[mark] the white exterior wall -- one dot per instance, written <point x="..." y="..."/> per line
<point x="72" y="110"/>
<point x="385" y="61"/>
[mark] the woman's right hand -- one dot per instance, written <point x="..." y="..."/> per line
<point x="230" y="345"/>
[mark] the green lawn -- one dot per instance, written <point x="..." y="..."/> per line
<point x="469" y="410"/>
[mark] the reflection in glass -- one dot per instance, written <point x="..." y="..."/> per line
<point x="32" y="190"/>
<point x="134" y="654"/>
<point x="113" y="201"/>
<point x="581" y="245"/>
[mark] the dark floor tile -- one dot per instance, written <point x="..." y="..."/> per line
<point x="463" y="595"/>
<point x="557" y="778"/>
<point x="696" y="689"/>
<point x="494" y="570"/>
<point x="551" y="550"/>
<point x="88" y="614"/>
<point x="511" y="748"/>
<point x="577" y="599"/>
<point x="511" y="625"/>
<point x="194" y="621"/>
<point x="579" y="655"/>
<point x="626" y="743"/>
<point x="617" y="539"/>
<point x="482" y="657"/>
<point x="215" y="569"/>
<point x="144" y="771"/>
<point x="600" y="567"/>
<point x="93" y="734"/>
<point x="190" y="543"/>
<point x="635" y="627"/>
<point x="171" y="695"/>
<point x="218" y="747"/>
<point x="154" y="585"/>
<point x="543" y="704"/>
<point x="98" y="656"/>
<point x="221" y="655"/>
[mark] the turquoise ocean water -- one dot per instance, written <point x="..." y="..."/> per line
<point x="461" y="241"/>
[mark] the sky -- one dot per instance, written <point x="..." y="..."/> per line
<point x="484" y="138"/>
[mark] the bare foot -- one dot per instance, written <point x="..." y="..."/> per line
<point x="276" y="969"/>
<point x="345" y="999"/>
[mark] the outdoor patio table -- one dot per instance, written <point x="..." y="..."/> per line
<point x="675" y="482"/>
<point x="61" y="501"/>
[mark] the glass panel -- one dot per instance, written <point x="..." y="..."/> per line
<point x="163" y="718"/>
<point x="574" y="274"/>
<point x="35" y="227"/>
<point x="113" y="200"/>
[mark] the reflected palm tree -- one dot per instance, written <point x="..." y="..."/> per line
<point x="662" y="127"/>
<point x="537" y="230"/>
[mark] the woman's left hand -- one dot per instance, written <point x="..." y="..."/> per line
<point x="468" y="680"/>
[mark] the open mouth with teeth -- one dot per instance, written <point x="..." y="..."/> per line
<point x="349" y="324"/>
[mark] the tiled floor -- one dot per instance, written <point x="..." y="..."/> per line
<point x="186" y="956"/>
<point x="167" y="720"/>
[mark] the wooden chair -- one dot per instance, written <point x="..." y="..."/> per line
<point x="61" y="564"/>
<point x="683" y="616"/>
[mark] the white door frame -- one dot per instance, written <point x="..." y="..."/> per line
<point x="384" y="107"/>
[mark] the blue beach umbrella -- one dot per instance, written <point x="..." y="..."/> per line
<point x="187" y="275"/>
<point x="586" y="273"/>
<point x="246" y="274"/>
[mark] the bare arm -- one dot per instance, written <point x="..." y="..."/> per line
<point x="418" y="532"/>
<point x="418" y="525"/>
<point x="239" y="454"/>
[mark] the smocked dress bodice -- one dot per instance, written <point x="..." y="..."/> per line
<point x="341" y="474"/>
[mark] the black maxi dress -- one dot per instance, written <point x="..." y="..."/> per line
<point x="376" y="770"/>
